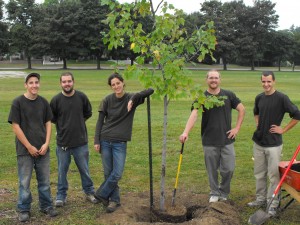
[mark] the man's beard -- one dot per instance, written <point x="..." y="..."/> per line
<point x="68" y="91"/>
<point x="213" y="86"/>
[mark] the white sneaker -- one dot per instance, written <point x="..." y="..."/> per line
<point x="223" y="199"/>
<point x="213" y="198"/>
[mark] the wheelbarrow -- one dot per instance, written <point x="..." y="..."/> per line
<point x="291" y="183"/>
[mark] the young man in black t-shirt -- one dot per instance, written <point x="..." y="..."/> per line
<point x="269" y="109"/>
<point x="30" y="116"/>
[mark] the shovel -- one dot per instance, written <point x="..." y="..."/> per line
<point x="260" y="216"/>
<point x="177" y="175"/>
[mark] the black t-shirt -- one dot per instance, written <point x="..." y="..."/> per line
<point x="217" y="121"/>
<point x="271" y="110"/>
<point x="115" y="122"/>
<point x="31" y="115"/>
<point x="69" y="116"/>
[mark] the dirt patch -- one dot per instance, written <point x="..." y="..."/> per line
<point x="135" y="209"/>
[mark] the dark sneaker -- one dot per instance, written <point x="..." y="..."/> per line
<point x="102" y="200"/>
<point x="256" y="203"/>
<point x="24" y="216"/>
<point x="112" y="206"/>
<point x="91" y="198"/>
<point x="60" y="203"/>
<point x="50" y="212"/>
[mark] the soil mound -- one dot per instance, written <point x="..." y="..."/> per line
<point x="135" y="210"/>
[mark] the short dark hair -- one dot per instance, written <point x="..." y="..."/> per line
<point x="114" y="75"/>
<point x="268" y="73"/>
<point x="38" y="76"/>
<point x="66" y="74"/>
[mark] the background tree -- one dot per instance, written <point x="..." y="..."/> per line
<point x="169" y="46"/>
<point x="59" y="32"/>
<point x="254" y="25"/>
<point x="279" y="47"/>
<point x="39" y="46"/>
<point x="295" y="56"/>
<point x="22" y="17"/>
<point x="242" y="31"/>
<point x="91" y="15"/>
<point x="4" y="35"/>
<point x="225" y="20"/>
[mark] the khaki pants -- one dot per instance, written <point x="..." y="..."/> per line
<point x="266" y="161"/>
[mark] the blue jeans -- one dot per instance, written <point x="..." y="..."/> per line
<point x="81" y="158"/>
<point x="41" y="165"/>
<point x="113" y="156"/>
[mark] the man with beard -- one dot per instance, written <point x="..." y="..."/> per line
<point x="217" y="136"/>
<point x="71" y="108"/>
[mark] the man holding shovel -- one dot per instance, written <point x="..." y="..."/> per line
<point x="217" y="136"/>
<point x="269" y="109"/>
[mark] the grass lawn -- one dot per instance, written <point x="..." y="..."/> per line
<point x="246" y="84"/>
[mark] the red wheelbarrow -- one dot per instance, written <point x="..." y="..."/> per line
<point x="291" y="183"/>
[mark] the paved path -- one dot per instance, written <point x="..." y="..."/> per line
<point x="4" y="74"/>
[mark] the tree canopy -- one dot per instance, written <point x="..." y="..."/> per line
<point x="72" y="29"/>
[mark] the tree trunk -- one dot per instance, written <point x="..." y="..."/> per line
<point x="279" y="66"/>
<point x="29" y="63"/>
<point x="224" y="63"/>
<point x="65" y="63"/>
<point x="293" y="67"/>
<point x="164" y="156"/>
<point x="98" y="63"/>
<point x="252" y="64"/>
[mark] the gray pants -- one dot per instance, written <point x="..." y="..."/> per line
<point x="266" y="161"/>
<point x="219" y="159"/>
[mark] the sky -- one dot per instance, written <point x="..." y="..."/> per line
<point x="287" y="10"/>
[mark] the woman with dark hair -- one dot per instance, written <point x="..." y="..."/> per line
<point x="113" y="130"/>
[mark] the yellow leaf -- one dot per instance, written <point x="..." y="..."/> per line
<point x="132" y="45"/>
<point x="156" y="54"/>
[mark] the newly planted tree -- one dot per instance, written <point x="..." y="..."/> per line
<point x="168" y="46"/>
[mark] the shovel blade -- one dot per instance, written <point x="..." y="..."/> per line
<point x="259" y="217"/>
